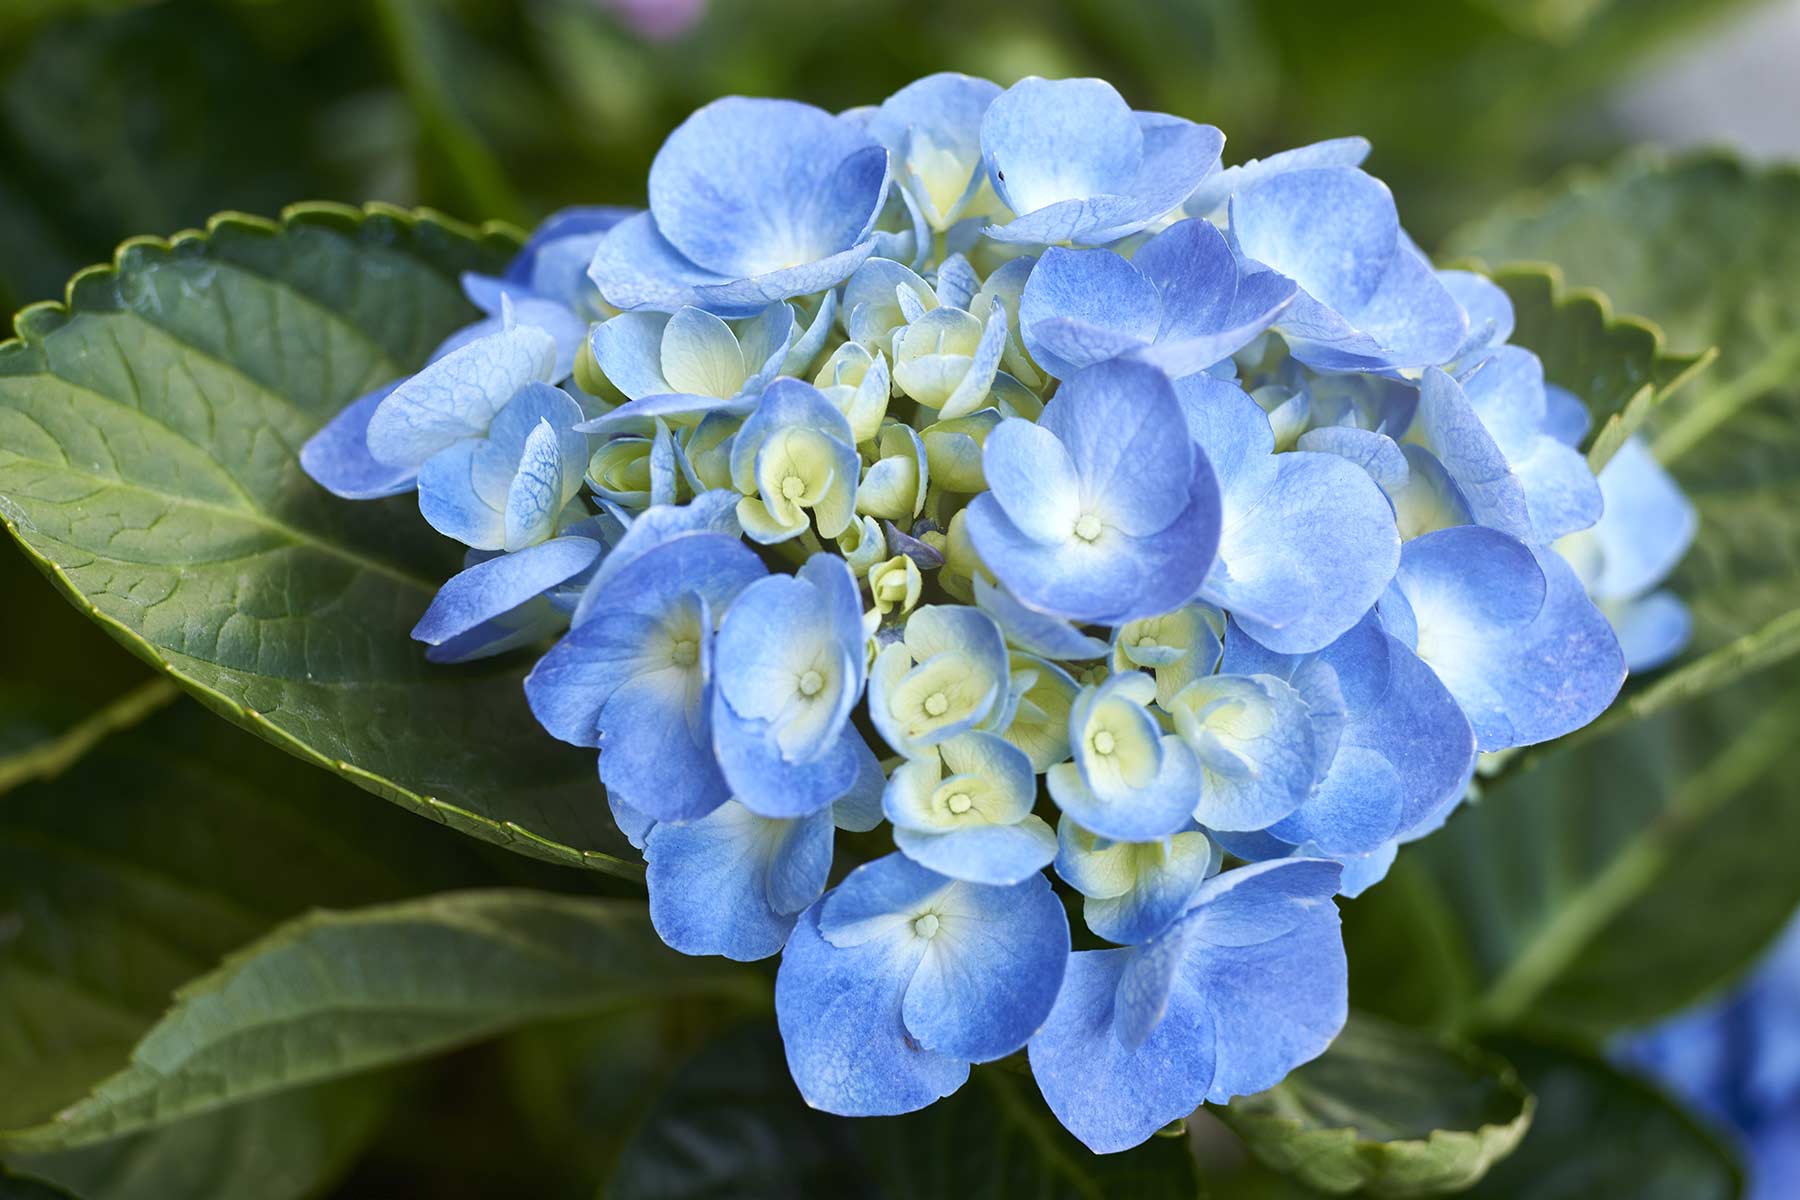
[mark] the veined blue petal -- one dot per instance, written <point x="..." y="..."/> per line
<point x="338" y="457"/>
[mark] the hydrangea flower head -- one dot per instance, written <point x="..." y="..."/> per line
<point x="1130" y="537"/>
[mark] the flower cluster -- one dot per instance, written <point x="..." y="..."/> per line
<point x="1113" y="527"/>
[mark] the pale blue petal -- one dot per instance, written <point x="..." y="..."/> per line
<point x="732" y="883"/>
<point x="1333" y="230"/>
<point x="1647" y="526"/>
<point x="990" y="854"/>
<point x="1522" y="673"/>
<point x="1121" y="424"/>
<point x="1561" y="493"/>
<point x="1048" y="141"/>
<point x="1081" y="307"/>
<point x="1652" y="630"/>
<point x="859" y="809"/>
<point x="537" y="492"/>
<point x="457" y="396"/>
<point x="629" y="350"/>
<point x="654" y="746"/>
<point x="1032" y="631"/>
<point x="709" y="512"/>
<point x="1309" y="542"/>
<point x="496" y="586"/>
<point x="338" y="458"/>
<point x="747" y="187"/>
<point x="1275" y="1003"/>
<point x="1489" y="310"/>
<point x="451" y="501"/>
<point x="1566" y="418"/>
<point x="1450" y="428"/>
<point x="768" y="783"/>
<point x="1032" y="479"/>
<point x="1210" y="197"/>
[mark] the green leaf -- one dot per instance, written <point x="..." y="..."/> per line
<point x="1389" y="1110"/>
<point x="148" y="440"/>
<point x="1706" y="247"/>
<point x="337" y="993"/>
<point x="1599" y="1133"/>
<point x="1603" y="887"/>
<point x="18" y="1187"/>
<point x="1619" y="366"/>
<point x="288" y="1146"/>
<point x="139" y="868"/>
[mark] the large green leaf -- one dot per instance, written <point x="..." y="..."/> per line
<point x="148" y="440"/>
<point x="1707" y="248"/>
<point x="1603" y="886"/>
<point x="287" y="1146"/>
<point x="338" y="993"/>
<point x="1389" y="1111"/>
<point x="1600" y="1134"/>
<point x="160" y="851"/>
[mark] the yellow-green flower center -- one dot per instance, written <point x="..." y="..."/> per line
<point x="684" y="652"/>
<point x="1088" y="527"/>
<point x="811" y="683"/>
<point x="793" y="487"/>
<point x="958" y="803"/>
<point x="937" y="704"/>
<point x="1103" y="742"/>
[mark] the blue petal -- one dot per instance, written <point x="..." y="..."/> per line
<point x="1647" y="526"/>
<point x="457" y="396"/>
<point x="1048" y="141"/>
<point x="1332" y="230"/>
<point x="628" y="349"/>
<point x="991" y="854"/>
<point x="1110" y="1096"/>
<point x="709" y="512"/>
<point x="1652" y="630"/>
<point x="501" y="584"/>
<point x="1309" y="542"/>
<point x="990" y="973"/>
<point x="1489" y="310"/>
<point x="1210" y="197"/>
<point x="654" y="745"/>
<point x="1269" y="959"/>
<point x="1511" y="633"/>
<point x="933" y="118"/>
<point x="1121" y="424"/>
<point x="1032" y="478"/>
<point x="1081" y="307"/>
<point x="338" y="457"/>
<point x="1032" y="631"/>
<point x="1254" y="741"/>
<point x="733" y="883"/>
<point x="838" y="1008"/>
<point x="567" y="224"/>
<point x="771" y="785"/>
<point x="747" y="187"/>
<point x="451" y="502"/>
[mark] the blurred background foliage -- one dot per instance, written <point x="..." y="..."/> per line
<point x="120" y="118"/>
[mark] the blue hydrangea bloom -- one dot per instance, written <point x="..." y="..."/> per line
<point x="1075" y="164"/>
<point x="1246" y="987"/>
<point x="900" y="978"/>
<point x="1070" y="471"/>
<point x="1183" y="302"/>
<point x="1368" y="300"/>
<point x="1102" y="510"/>
<point x="751" y="201"/>
<point x="790" y="666"/>
<point x="1508" y="630"/>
